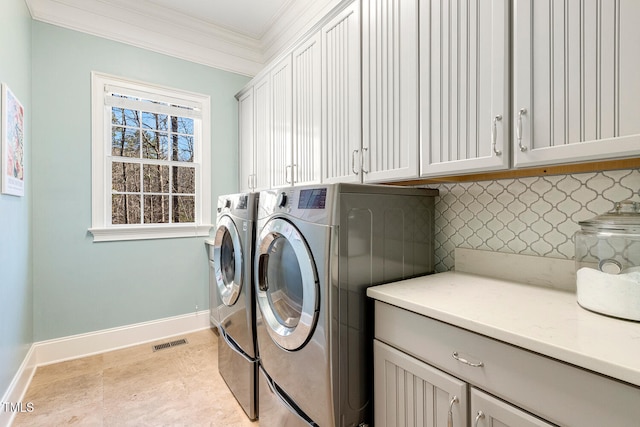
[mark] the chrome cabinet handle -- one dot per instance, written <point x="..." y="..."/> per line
<point x="353" y="162"/>
<point x="494" y="134"/>
<point x="521" y="113"/>
<point x="478" y="418"/>
<point x="450" y="415"/>
<point x="465" y="361"/>
<point x="294" y="173"/>
<point x="362" y="160"/>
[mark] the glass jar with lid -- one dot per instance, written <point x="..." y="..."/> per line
<point x="607" y="251"/>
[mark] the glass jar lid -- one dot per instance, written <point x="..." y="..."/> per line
<point x="625" y="217"/>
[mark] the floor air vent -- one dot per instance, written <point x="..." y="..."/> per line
<point x="169" y="344"/>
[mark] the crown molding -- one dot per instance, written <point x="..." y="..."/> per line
<point x="160" y="30"/>
<point x="152" y="29"/>
<point x="293" y="23"/>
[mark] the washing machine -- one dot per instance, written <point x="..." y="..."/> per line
<point x="317" y="250"/>
<point x="232" y="296"/>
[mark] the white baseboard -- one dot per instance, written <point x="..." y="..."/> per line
<point x="18" y="387"/>
<point x="82" y="345"/>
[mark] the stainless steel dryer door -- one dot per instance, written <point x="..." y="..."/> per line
<point x="227" y="258"/>
<point x="286" y="284"/>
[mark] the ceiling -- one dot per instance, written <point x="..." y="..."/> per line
<point x="234" y="35"/>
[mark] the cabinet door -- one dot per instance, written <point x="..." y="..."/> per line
<point x="464" y="86"/>
<point x="306" y="112"/>
<point x="246" y="164"/>
<point x="577" y="92"/>
<point x="487" y="411"/>
<point x="282" y="120"/>
<point x="390" y="89"/>
<point x="408" y="392"/>
<point x="341" y="104"/>
<point x="262" y="135"/>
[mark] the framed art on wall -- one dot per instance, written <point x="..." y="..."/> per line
<point x="12" y="143"/>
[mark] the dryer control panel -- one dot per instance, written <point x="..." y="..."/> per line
<point x="309" y="203"/>
<point x="313" y="198"/>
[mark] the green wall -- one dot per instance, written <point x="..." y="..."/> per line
<point x="16" y="291"/>
<point x="81" y="286"/>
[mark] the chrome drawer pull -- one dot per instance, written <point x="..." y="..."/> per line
<point x="465" y="361"/>
<point x="478" y="418"/>
<point x="450" y="415"/>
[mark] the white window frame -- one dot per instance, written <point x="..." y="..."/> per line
<point x="101" y="226"/>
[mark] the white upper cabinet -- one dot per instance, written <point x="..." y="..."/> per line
<point x="254" y="137"/>
<point x="576" y="89"/>
<point x="246" y="141"/>
<point x="341" y="106"/>
<point x="282" y="123"/>
<point x="389" y="89"/>
<point x="464" y="86"/>
<point x="262" y="136"/>
<point x="306" y="166"/>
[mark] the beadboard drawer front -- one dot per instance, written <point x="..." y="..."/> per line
<point x="553" y="390"/>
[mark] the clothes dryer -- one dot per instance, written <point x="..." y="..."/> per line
<point x="317" y="250"/>
<point x="234" y="314"/>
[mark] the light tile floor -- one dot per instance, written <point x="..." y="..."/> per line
<point x="176" y="386"/>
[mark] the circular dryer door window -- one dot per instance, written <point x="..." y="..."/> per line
<point x="227" y="257"/>
<point x="286" y="284"/>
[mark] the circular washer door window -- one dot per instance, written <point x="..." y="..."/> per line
<point x="227" y="257"/>
<point x="286" y="284"/>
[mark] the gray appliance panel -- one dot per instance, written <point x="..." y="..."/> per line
<point x="237" y="354"/>
<point x="276" y="409"/>
<point x="376" y="234"/>
<point x="239" y="372"/>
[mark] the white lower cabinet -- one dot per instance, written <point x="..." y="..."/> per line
<point x="487" y="411"/>
<point x="420" y="364"/>
<point x="409" y="392"/>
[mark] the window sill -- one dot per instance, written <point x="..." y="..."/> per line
<point x="114" y="234"/>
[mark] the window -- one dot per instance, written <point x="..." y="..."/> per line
<point x="151" y="154"/>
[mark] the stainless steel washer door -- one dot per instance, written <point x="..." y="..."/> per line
<point x="227" y="258"/>
<point x="286" y="284"/>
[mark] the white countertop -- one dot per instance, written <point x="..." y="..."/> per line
<point x="543" y="320"/>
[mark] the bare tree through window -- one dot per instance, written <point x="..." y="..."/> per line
<point x="152" y="171"/>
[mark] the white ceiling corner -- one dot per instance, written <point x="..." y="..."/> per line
<point x="240" y="36"/>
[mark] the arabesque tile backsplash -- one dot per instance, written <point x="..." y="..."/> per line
<point x="529" y="216"/>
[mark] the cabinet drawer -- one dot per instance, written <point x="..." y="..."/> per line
<point x="553" y="390"/>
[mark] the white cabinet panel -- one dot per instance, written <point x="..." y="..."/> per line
<point x="464" y="86"/>
<point x="306" y="166"/>
<point x="282" y="123"/>
<point x="246" y="164"/>
<point x="262" y="136"/>
<point x="409" y="392"/>
<point x="341" y="104"/>
<point x="487" y="411"/>
<point x="576" y="90"/>
<point x="390" y="89"/>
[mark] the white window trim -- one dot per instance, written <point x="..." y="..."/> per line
<point x="101" y="227"/>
